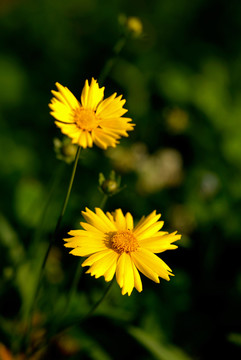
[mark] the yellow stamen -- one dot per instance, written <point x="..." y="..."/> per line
<point x="124" y="241"/>
<point x="85" y="119"/>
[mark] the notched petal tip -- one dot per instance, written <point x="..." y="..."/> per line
<point x="85" y="211"/>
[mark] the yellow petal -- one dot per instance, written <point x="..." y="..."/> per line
<point x="137" y="278"/>
<point x="110" y="224"/>
<point x="104" y="140"/>
<point x="109" y="274"/>
<point x="91" y="242"/>
<point x="77" y="233"/>
<point x="146" y="222"/>
<point x="103" y="265"/>
<point x="128" y="284"/>
<point x="82" y="141"/>
<point x="148" y="231"/>
<point x="124" y="274"/>
<point x="91" y="95"/>
<point x="144" y="268"/>
<point x="92" y="239"/>
<point x="69" y="130"/>
<point x="120" y="220"/>
<point x="129" y="221"/>
<point x="152" y="261"/>
<point x="120" y="269"/>
<point x="95" y="220"/>
<point x="75" y="242"/>
<point x="95" y="257"/>
<point x="159" y="244"/>
<point x="110" y="216"/>
<point x="90" y="228"/>
<point x="89" y="139"/>
<point x="107" y="256"/>
<point x="69" y="98"/>
<point x="61" y="111"/>
<point x="111" y="107"/>
<point x="87" y="250"/>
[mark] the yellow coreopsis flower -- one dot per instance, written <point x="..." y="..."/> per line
<point x="94" y="120"/>
<point x="114" y="245"/>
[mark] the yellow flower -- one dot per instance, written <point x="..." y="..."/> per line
<point x="94" y="120"/>
<point x="114" y="246"/>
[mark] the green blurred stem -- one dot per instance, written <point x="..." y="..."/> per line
<point x="41" y="272"/>
<point x="97" y="304"/>
<point x="110" y="63"/>
<point x="103" y="201"/>
<point x="62" y="212"/>
<point x="74" y="285"/>
<point x="78" y="321"/>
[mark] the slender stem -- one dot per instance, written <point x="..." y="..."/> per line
<point x="68" y="191"/>
<point x="96" y="305"/>
<point x="37" y="288"/>
<point x="74" y="285"/>
<point x="69" y="324"/>
<point x="61" y="214"/>
<point x="110" y="63"/>
<point x="103" y="201"/>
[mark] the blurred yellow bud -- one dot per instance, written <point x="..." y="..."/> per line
<point x="177" y="120"/>
<point x="109" y="186"/>
<point x="131" y="24"/>
<point x="134" y="25"/>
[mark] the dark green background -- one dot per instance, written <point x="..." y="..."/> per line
<point x="188" y="58"/>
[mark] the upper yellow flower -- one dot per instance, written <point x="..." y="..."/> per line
<point x="94" y="120"/>
<point x="114" y="245"/>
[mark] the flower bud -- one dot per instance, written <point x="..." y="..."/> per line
<point x="111" y="185"/>
<point x="134" y="25"/>
<point x="131" y="25"/>
<point x="65" y="150"/>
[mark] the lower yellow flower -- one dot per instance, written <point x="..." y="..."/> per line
<point x="114" y="246"/>
<point x="93" y="120"/>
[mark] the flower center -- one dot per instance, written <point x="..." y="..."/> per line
<point x="124" y="241"/>
<point x="85" y="119"/>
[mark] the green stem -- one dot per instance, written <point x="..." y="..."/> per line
<point x="110" y="63"/>
<point x="97" y="304"/>
<point x="103" y="201"/>
<point x="74" y="285"/>
<point x="41" y="272"/>
<point x="61" y="214"/>
<point x="76" y="321"/>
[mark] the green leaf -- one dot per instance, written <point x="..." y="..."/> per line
<point x="159" y="350"/>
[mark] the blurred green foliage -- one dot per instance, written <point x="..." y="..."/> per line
<point x="182" y="82"/>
